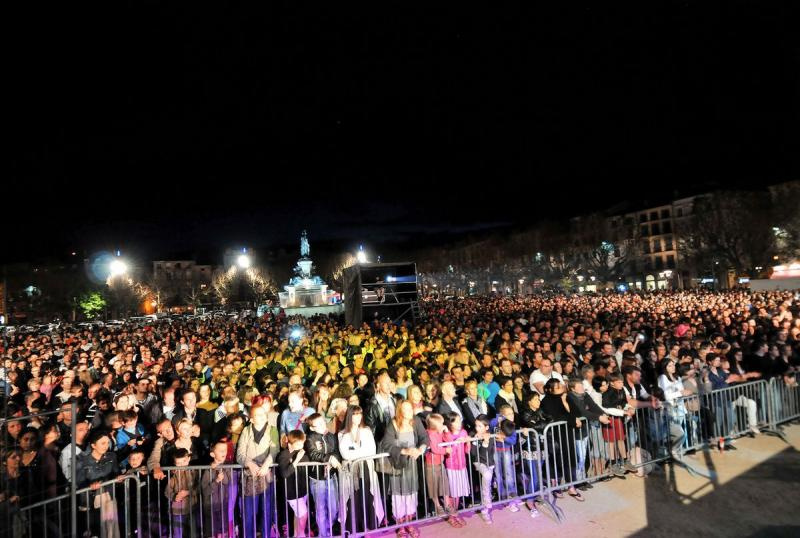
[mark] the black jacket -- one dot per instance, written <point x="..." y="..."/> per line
<point x="585" y="405"/>
<point x="482" y="454"/>
<point x="445" y="409"/>
<point x="320" y="448"/>
<point x="296" y="479"/>
<point x="376" y="419"/>
<point x="529" y="418"/>
<point x="553" y="407"/>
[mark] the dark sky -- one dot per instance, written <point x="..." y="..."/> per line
<point x="165" y="128"/>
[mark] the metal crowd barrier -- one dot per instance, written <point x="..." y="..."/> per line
<point x="26" y="516"/>
<point x="784" y="401"/>
<point x="726" y="414"/>
<point x="378" y="497"/>
<point x="369" y="494"/>
<point x="228" y="501"/>
<point x="109" y="511"/>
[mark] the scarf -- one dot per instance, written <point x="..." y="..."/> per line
<point x="509" y="397"/>
<point x="476" y="407"/>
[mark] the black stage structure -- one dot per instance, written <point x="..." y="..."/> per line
<point x="384" y="291"/>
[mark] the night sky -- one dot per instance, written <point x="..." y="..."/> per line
<point x="169" y="128"/>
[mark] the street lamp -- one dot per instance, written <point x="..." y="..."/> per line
<point x="361" y="256"/>
<point x="243" y="261"/>
<point x="117" y="267"/>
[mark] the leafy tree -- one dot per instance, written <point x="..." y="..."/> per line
<point x="92" y="304"/>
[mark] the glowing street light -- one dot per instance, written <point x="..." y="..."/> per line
<point x="361" y="256"/>
<point x="117" y="267"/>
<point x="243" y="261"/>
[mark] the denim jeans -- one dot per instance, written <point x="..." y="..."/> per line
<point x="581" y="448"/>
<point x="326" y="503"/>
<point x="504" y="474"/>
<point x="530" y="475"/>
<point x="258" y="513"/>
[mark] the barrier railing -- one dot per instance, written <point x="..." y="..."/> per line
<point x="108" y="509"/>
<point x="784" y="400"/>
<point x="21" y="510"/>
<point x="379" y="493"/>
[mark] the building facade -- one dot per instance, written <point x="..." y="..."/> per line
<point x="182" y="271"/>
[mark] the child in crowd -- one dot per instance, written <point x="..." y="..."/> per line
<point x="135" y="464"/>
<point x="505" y="444"/>
<point x="321" y="446"/>
<point x="482" y="451"/>
<point x="296" y="478"/>
<point x="295" y="417"/>
<point x="456" y="465"/>
<point x="130" y="436"/>
<point x="215" y="485"/>
<point x="182" y="494"/>
<point x="435" y="479"/>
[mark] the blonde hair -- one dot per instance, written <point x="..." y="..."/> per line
<point x="434" y="420"/>
<point x="181" y="422"/>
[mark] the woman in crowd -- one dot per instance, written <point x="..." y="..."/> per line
<point x="357" y="443"/>
<point x="563" y="454"/>
<point x="506" y="396"/>
<point x="473" y="405"/>
<point x="205" y="403"/>
<point x="185" y="438"/>
<point x="14" y="494"/>
<point x="405" y="440"/>
<point x="321" y="400"/>
<point x="38" y="466"/>
<point x="95" y="466"/>
<point x="417" y="400"/>
<point x="521" y="388"/>
<point x="337" y="412"/>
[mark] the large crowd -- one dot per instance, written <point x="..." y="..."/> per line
<point x="450" y="396"/>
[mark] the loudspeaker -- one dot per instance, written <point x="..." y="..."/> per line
<point x="384" y="291"/>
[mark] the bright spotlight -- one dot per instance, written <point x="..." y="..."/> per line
<point x="243" y="261"/>
<point x="297" y="334"/>
<point x="361" y="256"/>
<point x="117" y="267"/>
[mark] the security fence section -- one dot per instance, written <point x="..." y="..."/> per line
<point x="501" y="468"/>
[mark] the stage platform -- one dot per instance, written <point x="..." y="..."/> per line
<point x="309" y="311"/>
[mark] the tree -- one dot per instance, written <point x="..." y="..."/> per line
<point x="223" y="285"/>
<point x="261" y="284"/>
<point x="603" y="251"/>
<point x="125" y="295"/>
<point x="338" y="265"/>
<point x="732" y="227"/>
<point x="786" y="219"/>
<point x="92" y="304"/>
<point x="196" y="295"/>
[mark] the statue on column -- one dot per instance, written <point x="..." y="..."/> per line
<point x="305" y="249"/>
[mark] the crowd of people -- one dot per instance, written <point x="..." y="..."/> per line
<point x="455" y="401"/>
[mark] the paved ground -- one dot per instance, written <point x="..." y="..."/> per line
<point x="753" y="491"/>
